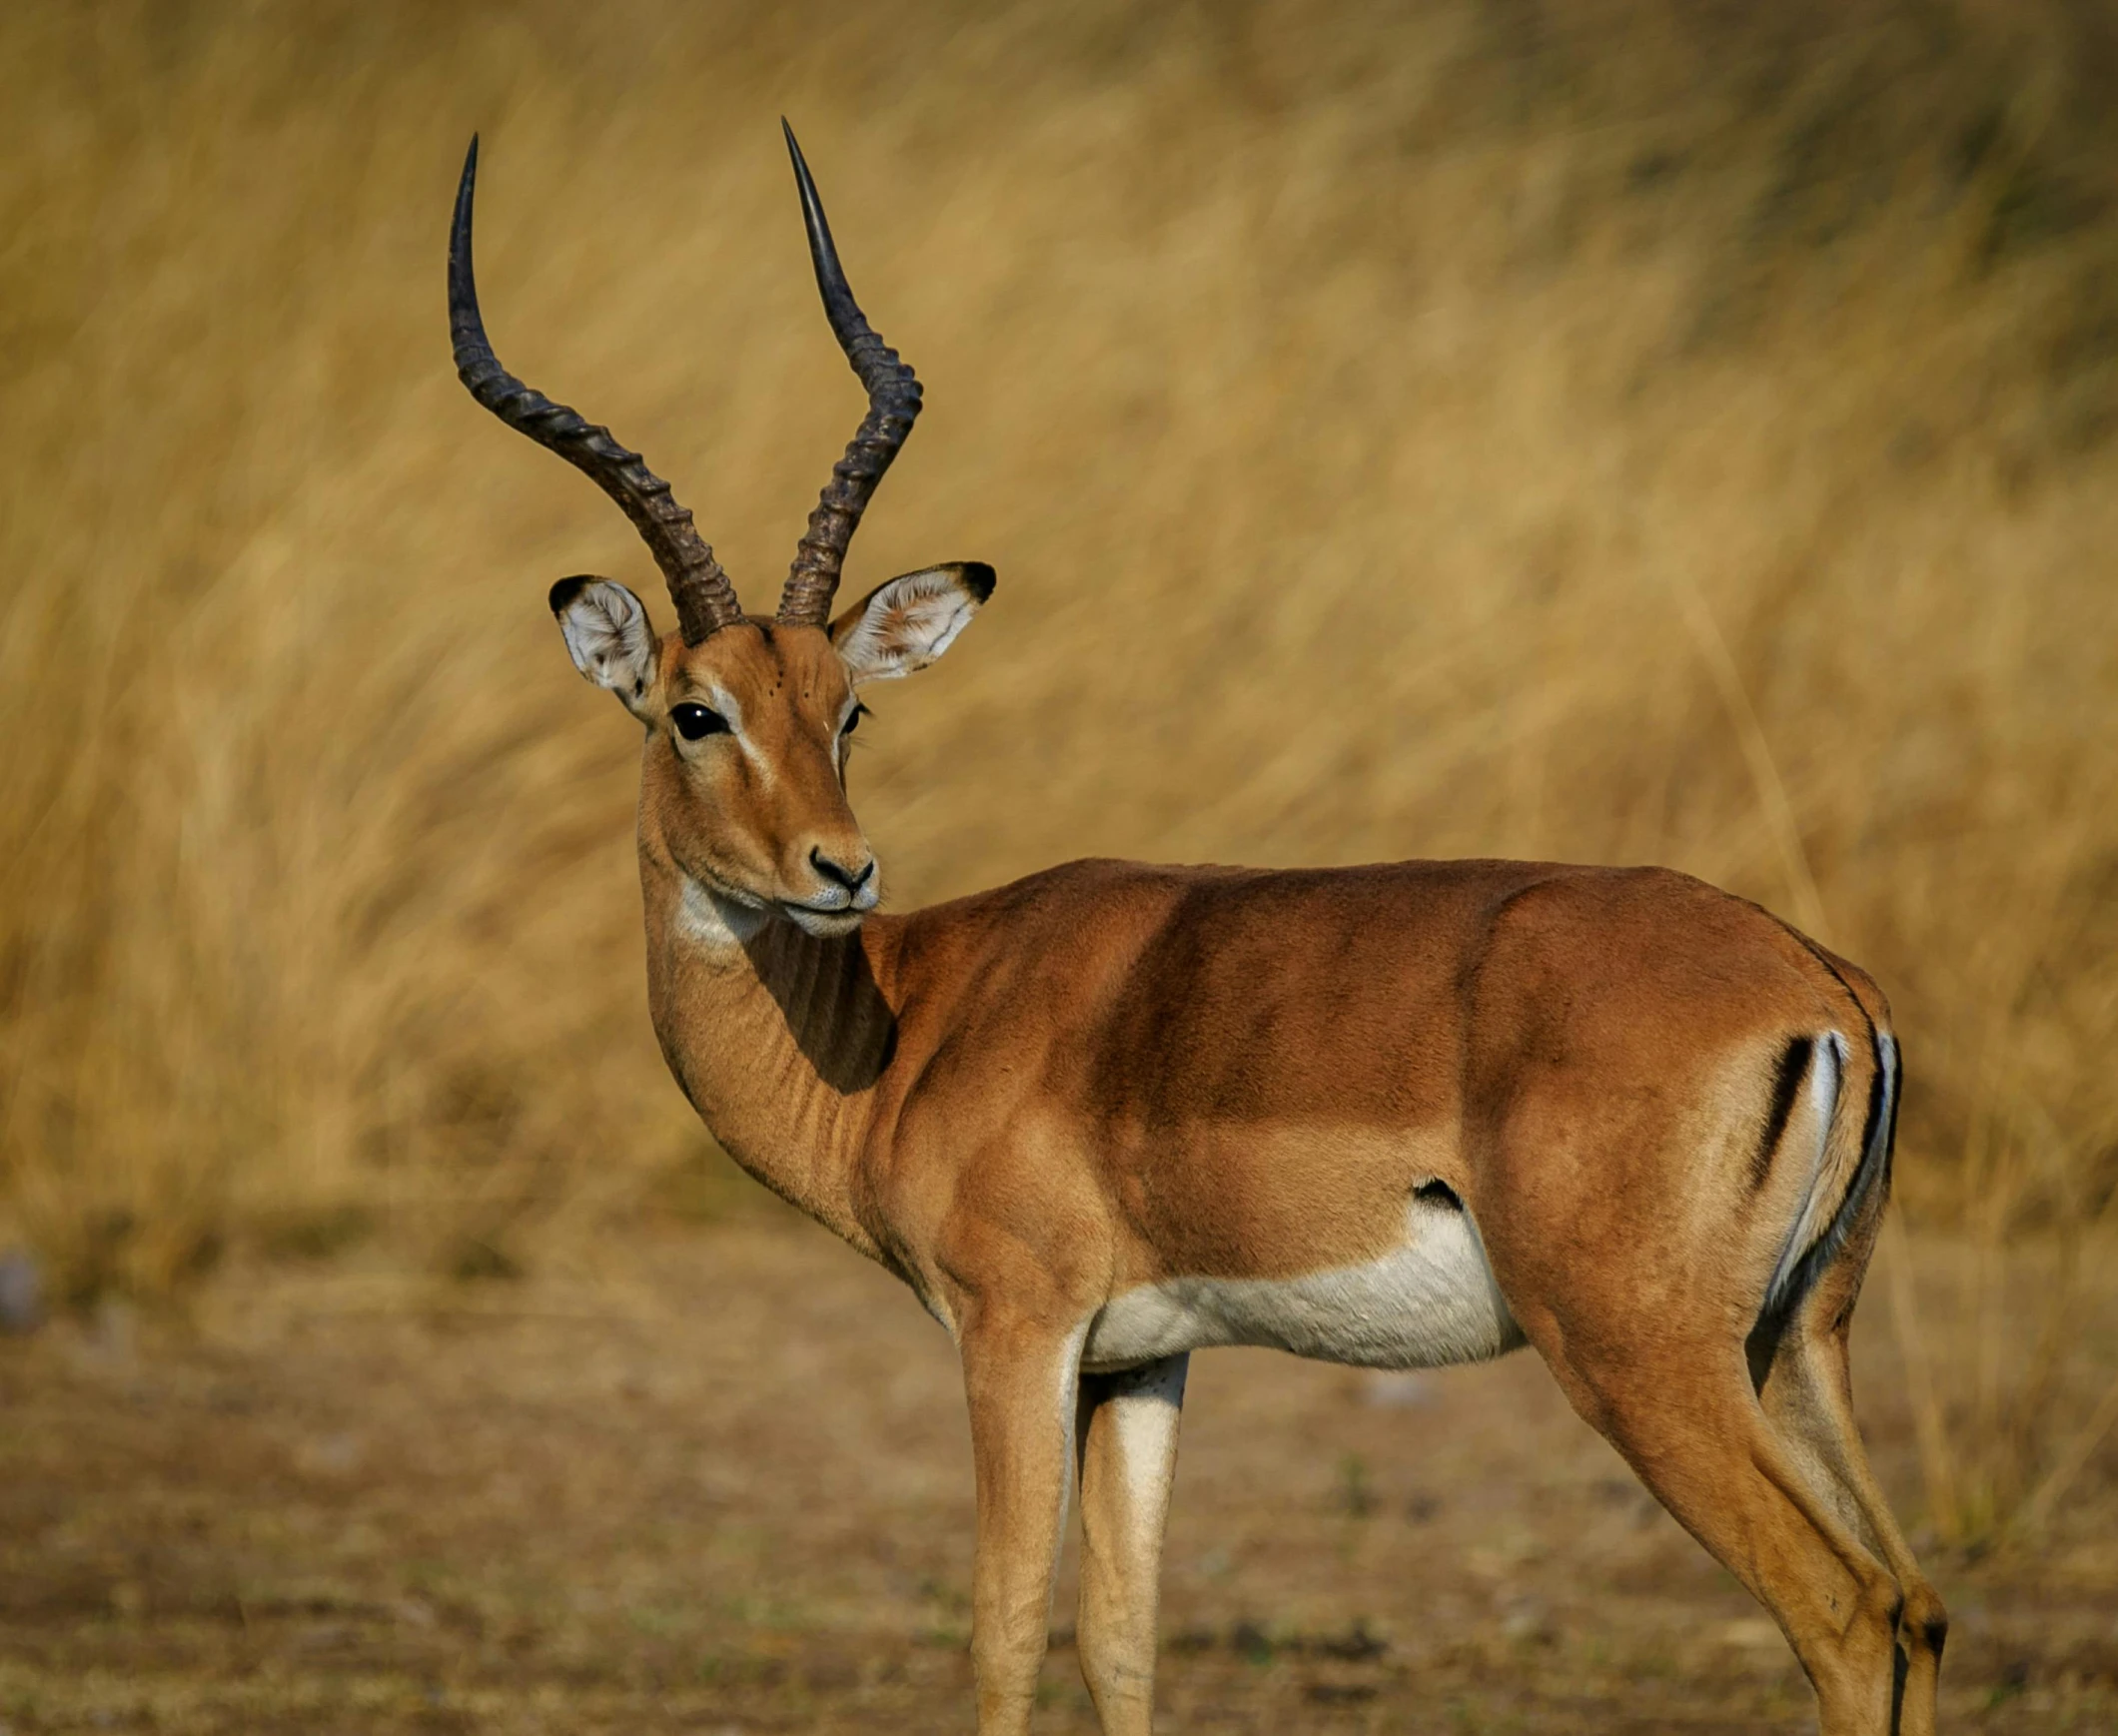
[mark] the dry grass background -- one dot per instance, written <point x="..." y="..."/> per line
<point x="1591" y="430"/>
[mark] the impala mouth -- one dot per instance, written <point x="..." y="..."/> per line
<point x="715" y="887"/>
<point x="822" y="924"/>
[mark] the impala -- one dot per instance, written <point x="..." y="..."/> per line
<point x="1398" y="1117"/>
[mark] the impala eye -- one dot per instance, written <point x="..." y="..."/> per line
<point x="694" y="721"/>
<point x="853" y="722"/>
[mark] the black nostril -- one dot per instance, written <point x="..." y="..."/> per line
<point x="832" y="870"/>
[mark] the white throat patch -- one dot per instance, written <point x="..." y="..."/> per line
<point x="706" y="918"/>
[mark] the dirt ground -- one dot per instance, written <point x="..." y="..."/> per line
<point x="732" y="1493"/>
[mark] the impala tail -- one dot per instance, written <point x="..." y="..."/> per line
<point x="1843" y="1143"/>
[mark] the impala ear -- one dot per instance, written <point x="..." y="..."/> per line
<point x="608" y="635"/>
<point x="902" y="627"/>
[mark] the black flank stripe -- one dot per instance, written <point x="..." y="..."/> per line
<point x="1787" y="1082"/>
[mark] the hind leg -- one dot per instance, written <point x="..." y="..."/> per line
<point x="1128" y="1456"/>
<point x="1685" y="1416"/>
<point x="1807" y="1392"/>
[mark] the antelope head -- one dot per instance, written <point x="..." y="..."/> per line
<point x="742" y="781"/>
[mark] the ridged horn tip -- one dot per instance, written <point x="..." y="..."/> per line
<point x="893" y="402"/>
<point x="704" y="598"/>
<point x="838" y="304"/>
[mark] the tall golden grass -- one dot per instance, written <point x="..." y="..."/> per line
<point x="1590" y="429"/>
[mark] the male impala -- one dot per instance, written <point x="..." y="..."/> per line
<point x="1397" y="1115"/>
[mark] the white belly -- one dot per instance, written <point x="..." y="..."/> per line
<point x="1430" y="1301"/>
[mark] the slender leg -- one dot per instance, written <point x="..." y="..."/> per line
<point x="1021" y="1380"/>
<point x="1808" y="1394"/>
<point x="1691" y="1426"/>
<point x="1128" y="1447"/>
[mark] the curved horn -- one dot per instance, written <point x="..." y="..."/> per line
<point x="893" y="401"/>
<point x="700" y="590"/>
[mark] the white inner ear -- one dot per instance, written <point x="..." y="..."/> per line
<point x="905" y="625"/>
<point x="608" y="635"/>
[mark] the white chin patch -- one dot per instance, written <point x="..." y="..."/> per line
<point x="824" y="924"/>
<point x="709" y="917"/>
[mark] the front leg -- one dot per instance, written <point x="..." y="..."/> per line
<point x="1128" y="1445"/>
<point x="1020" y="1379"/>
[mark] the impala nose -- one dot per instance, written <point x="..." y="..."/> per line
<point x="852" y="881"/>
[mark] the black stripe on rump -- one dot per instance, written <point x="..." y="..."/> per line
<point x="1793" y="1069"/>
<point x="1872" y="1169"/>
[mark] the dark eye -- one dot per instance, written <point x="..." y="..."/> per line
<point x="853" y="722"/>
<point x="694" y="721"/>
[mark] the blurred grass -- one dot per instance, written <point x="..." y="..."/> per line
<point x="1400" y="430"/>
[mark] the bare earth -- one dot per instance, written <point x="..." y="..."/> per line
<point x="733" y="1493"/>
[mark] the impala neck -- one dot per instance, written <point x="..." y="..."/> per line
<point x="776" y="1037"/>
